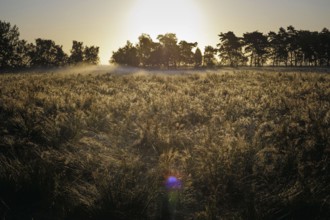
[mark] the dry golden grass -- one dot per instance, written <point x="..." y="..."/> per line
<point x="98" y="145"/>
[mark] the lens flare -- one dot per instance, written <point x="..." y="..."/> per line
<point x="173" y="182"/>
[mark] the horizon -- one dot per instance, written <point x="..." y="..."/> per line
<point x="109" y="24"/>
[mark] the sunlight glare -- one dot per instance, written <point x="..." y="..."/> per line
<point x="156" y="17"/>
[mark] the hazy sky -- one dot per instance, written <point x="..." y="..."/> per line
<point x="109" y="23"/>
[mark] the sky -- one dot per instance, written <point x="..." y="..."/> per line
<point x="110" y="23"/>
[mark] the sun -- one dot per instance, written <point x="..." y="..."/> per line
<point x="155" y="17"/>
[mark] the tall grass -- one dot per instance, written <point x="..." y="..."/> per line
<point x="244" y="144"/>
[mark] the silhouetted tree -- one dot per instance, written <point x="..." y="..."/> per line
<point x="62" y="58"/>
<point x="91" y="55"/>
<point x="23" y="55"/>
<point x="198" y="58"/>
<point x="274" y="47"/>
<point x="287" y="46"/>
<point x="304" y="39"/>
<point x="230" y="48"/>
<point x="301" y="47"/>
<point x="278" y="47"/>
<point x="156" y="54"/>
<point x="309" y="46"/>
<point x="127" y="55"/>
<point x="292" y="45"/>
<point x="170" y="49"/>
<point x="13" y="51"/>
<point x="209" y="56"/>
<point x="315" y="45"/>
<point x="324" y="51"/>
<point x="283" y="36"/>
<point x="145" y="48"/>
<point x="256" y="46"/>
<point x="47" y="54"/>
<point x="186" y="54"/>
<point x="77" y="53"/>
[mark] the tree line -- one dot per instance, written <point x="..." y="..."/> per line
<point x="287" y="47"/>
<point x="166" y="52"/>
<point x="18" y="53"/>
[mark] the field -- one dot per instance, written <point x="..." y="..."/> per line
<point x="97" y="144"/>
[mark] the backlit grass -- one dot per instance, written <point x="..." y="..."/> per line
<point x="244" y="145"/>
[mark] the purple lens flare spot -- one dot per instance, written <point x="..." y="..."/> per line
<point x="173" y="183"/>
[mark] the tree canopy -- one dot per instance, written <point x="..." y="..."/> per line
<point x="209" y="56"/>
<point x="167" y="52"/>
<point x="286" y="47"/>
<point x="12" y="49"/>
<point x="47" y="54"/>
<point x="127" y="55"/>
<point x="17" y="53"/>
<point x="230" y="49"/>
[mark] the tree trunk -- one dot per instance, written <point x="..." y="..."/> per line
<point x="251" y="59"/>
